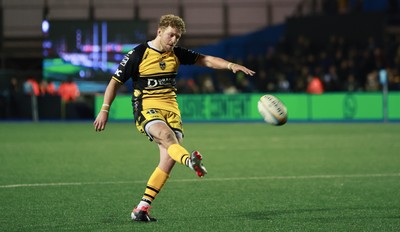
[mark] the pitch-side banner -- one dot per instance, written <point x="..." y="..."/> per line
<point x="301" y="107"/>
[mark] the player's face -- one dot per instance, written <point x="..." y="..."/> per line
<point x="169" y="38"/>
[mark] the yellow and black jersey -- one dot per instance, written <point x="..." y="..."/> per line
<point x="153" y="74"/>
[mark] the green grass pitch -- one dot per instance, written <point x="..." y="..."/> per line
<point x="297" y="177"/>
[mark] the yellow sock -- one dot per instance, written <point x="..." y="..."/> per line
<point x="178" y="153"/>
<point x="154" y="185"/>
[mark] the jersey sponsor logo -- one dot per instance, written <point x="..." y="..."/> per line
<point x="125" y="60"/>
<point x="152" y="83"/>
<point x="118" y="72"/>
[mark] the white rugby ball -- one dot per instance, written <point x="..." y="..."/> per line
<point x="272" y="110"/>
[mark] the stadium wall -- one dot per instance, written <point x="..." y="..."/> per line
<point x="341" y="107"/>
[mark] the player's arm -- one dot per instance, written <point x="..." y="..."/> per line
<point x="219" y="63"/>
<point x="121" y="75"/>
<point x="109" y="96"/>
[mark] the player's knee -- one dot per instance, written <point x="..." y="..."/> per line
<point x="166" y="138"/>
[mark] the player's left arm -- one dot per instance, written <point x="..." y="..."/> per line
<point x="219" y="63"/>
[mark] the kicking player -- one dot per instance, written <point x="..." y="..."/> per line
<point x="153" y="67"/>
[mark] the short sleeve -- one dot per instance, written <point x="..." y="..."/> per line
<point x="186" y="56"/>
<point x="128" y="66"/>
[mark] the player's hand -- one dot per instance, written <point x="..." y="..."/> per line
<point x="101" y="121"/>
<point x="237" y="67"/>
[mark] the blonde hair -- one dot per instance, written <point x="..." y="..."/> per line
<point x="173" y="21"/>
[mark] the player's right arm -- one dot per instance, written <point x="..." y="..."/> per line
<point x="109" y="96"/>
<point x="125" y="70"/>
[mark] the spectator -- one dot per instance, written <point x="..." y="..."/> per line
<point x="301" y="81"/>
<point x="229" y="88"/>
<point x="351" y="84"/>
<point x="69" y="91"/>
<point x="393" y="79"/>
<point x="283" y="84"/>
<point x="47" y="88"/>
<point x="187" y="86"/>
<point x="315" y="86"/>
<point x="207" y="85"/>
<point x="261" y="80"/>
<point x="31" y="87"/>
<point x="15" y="87"/>
<point x="331" y="79"/>
<point x="372" y="83"/>
<point x="15" y="90"/>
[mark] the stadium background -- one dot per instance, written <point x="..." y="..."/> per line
<point x="60" y="175"/>
<point x="278" y="39"/>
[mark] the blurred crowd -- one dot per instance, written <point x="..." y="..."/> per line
<point x="67" y="90"/>
<point x="301" y="67"/>
<point x="22" y="92"/>
<point x="296" y="67"/>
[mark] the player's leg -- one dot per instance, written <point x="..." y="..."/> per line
<point x="165" y="128"/>
<point x="166" y="137"/>
<point x="154" y="185"/>
<point x="162" y="135"/>
<point x="161" y="173"/>
<point x="171" y="151"/>
<point x="158" y="178"/>
<point x="166" y="162"/>
<point x="195" y="162"/>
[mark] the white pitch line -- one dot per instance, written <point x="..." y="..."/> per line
<point x="207" y="179"/>
<point x="70" y="184"/>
